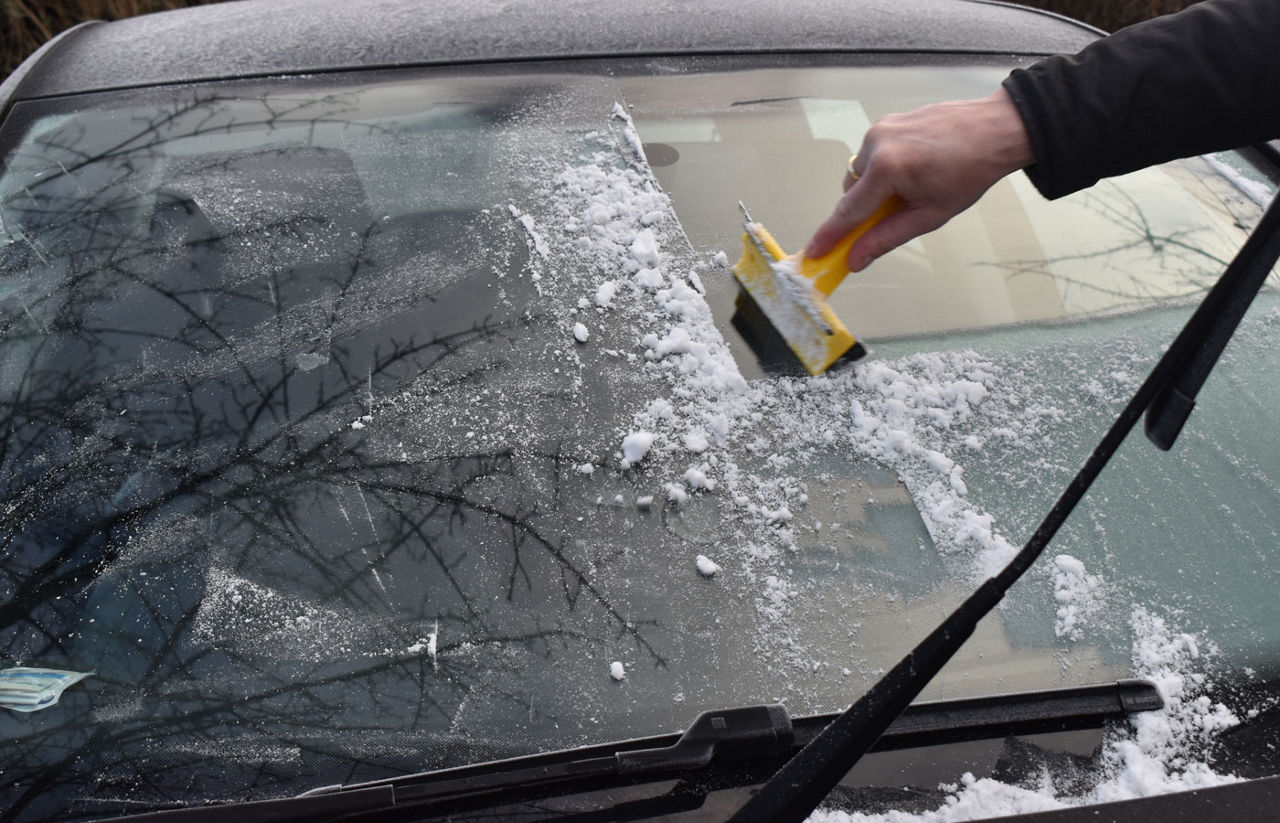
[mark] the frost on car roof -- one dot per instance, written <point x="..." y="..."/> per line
<point x="242" y="39"/>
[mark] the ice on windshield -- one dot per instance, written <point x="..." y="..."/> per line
<point x="333" y="464"/>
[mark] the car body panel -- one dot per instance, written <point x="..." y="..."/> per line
<point x="251" y="38"/>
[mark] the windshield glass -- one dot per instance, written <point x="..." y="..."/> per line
<point x="356" y="427"/>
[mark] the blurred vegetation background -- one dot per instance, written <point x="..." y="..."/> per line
<point x="28" y="23"/>
<point x="1110" y="15"/>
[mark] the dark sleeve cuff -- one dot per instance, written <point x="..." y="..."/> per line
<point x="1034" y="117"/>
<point x="1198" y="81"/>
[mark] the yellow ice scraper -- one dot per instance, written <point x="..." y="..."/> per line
<point x="791" y="292"/>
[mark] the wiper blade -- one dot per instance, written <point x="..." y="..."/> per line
<point x="734" y="734"/>
<point x="801" y="784"/>
<point x="763" y="736"/>
<point x="769" y="733"/>
<point x="752" y="731"/>
<point x="1022" y="713"/>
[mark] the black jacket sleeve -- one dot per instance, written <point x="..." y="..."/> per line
<point x="1205" y="79"/>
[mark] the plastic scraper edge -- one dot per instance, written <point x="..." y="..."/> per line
<point x="793" y="306"/>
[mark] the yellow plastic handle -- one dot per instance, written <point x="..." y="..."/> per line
<point x="829" y="270"/>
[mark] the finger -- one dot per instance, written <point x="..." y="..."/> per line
<point x="826" y="237"/>
<point x="889" y="234"/>
<point x="852" y="174"/>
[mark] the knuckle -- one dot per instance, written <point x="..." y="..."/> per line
<point x="894" y="159"/>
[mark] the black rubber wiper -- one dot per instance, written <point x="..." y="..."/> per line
<point x="741" y="733"/>
<point x="1167" y="395"/>
<point x="1209" y="329"/>
<point x="761" y="736"/>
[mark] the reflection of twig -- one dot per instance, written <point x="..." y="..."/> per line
<point x="1119" y="208"/>
<point x="522" y="529"/>
<point x="220" y="453"/>
<point x="167" y="127"/>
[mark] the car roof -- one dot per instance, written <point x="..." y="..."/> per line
<point x="253" y="38"/>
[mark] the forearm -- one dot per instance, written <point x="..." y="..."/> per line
<point x="1202" y="80"/>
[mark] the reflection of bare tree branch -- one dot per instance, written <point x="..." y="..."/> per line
<point x="1176" y="264"/>
<point x="522" y="530"/>
<point x="177" y="437"/>
<point x="197" y="117"/>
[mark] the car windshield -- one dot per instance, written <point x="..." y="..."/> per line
<point x="364" y="424"/>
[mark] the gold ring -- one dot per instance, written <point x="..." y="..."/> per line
<point x="849" y="167"/>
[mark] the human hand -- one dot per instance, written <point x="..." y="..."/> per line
<point x="938" y="159"/>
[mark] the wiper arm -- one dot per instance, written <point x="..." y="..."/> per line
<point x="801" y="784"/>
<point x="1210" y="327"/>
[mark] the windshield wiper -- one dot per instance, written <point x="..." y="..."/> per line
<point x="761" y="737"/>
<point x="1209" y="329"/>
<point x="740" y="733"/>
<point x="1167" y="396"/>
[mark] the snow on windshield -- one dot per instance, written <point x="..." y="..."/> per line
<point x="924" y="415"/>
<point x="504" y="459"/>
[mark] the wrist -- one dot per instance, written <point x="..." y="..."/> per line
<point x="1009" y="137"/>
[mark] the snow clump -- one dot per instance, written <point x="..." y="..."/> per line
<point x="635" y="446"/>
<point x="1076" y="593"/>
<point x="706" y="566"/>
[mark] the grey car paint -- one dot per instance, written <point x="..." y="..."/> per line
<point x="255" y="38"/>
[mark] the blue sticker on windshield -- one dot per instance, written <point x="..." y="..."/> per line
<point x="29" y="690"/>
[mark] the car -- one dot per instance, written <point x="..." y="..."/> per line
<point x="381" y="439"/>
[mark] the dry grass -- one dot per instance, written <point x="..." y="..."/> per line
<point x="28" y="23"/>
